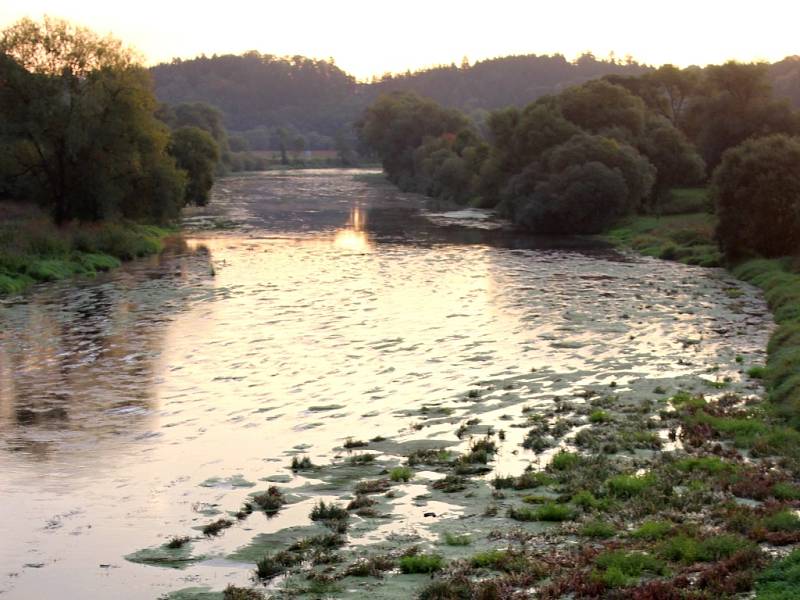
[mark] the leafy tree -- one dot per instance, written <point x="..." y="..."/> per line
<point x="756" y="189"/>
<point x="397" y="124"/>
<point x="78" y="127"/>
<point x="598" y="106"/>
<point x="675" y="159"/>
<point x="584" y="198"/>
<point x="197" y="153"/>
<point x="637" y="172"/>
<point x="735" y="103"/>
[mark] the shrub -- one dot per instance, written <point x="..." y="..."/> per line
<point x="756" y="189"/>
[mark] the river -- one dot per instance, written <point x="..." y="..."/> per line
<point x="309" y="307"/>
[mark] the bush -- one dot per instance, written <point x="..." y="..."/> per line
<point x="582" y="199"/>
<point x="756" y="189"/>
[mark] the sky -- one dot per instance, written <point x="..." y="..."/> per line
<point x="374" y="37"/>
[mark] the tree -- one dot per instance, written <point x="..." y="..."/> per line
<point x="756" y="189"/>
<point x="197" y="153"/>
<point x="583" y="198"/>
<point x="397" y="124"/>
<point x="637" y="172"/>
<point x="736" y="103"/>
<point x="78" y="126"/>
<point x="598" y="106"/>
<point x="675" y="159"/>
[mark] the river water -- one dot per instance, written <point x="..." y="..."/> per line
<point x="313" y="306"/>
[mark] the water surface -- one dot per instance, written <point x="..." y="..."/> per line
<point x="328" y="306"/>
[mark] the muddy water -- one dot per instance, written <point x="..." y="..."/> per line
<point x="314" y="306"/>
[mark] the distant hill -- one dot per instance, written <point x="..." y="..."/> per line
<point x="258" y="93"/>
<point x="317" y="101"/>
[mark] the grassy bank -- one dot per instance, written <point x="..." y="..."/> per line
<point x="32" y="249"/>
<point x="772" y="430"/>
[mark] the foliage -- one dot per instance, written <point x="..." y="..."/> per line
<point x="197" y="153"/>
<point x="78" y="128"/>
<point x="757" y="193"/>
<point x="421" y="563"/>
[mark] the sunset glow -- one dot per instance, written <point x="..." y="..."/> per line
<point x="368" y="39"/>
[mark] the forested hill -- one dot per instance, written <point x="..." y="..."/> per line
<point x="261" y="93"/>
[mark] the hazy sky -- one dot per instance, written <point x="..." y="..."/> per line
<point x="376" y="36"/>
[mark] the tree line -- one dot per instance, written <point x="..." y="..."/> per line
<point x="296" y="102"/>
<point x="576" y="161"/>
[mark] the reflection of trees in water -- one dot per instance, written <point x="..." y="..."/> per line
<point x="82" y="357"/>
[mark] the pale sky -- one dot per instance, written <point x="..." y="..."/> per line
<point x="374" y="37"/>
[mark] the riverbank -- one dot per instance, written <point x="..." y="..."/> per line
<point x="33" y="249"/>
<point x="689" y="238"/>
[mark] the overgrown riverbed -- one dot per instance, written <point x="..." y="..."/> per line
<point x="501" y="414"/>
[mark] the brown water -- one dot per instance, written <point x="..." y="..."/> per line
<point x="333" y="306"/>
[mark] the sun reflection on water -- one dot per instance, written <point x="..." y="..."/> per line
<point x="354" y="237"/>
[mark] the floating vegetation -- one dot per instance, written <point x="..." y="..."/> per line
<point x="270" y="501"/>
<point x="216" y="527"/>
<point x="302" y="464"/>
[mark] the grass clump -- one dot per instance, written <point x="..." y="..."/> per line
<point x="302" y="464"/>
<point x="450" y="484"/>
<point x="362" y="459"/>
<point x="565" y="461"/>
<point x="599" y="416"/>
<point x="350" y="443"/>
<point x="620" y="569"/>
<point x="276" y="564"/>
<point x="216" y="527"/>
<point x="454" y="539"/>
<point x="712" y="465"/>
<point x="785" y="491"/>
<point x="270" y="501"/>
<point x="784" y="520"/>
<point x="372" y="486"/>
<point x="177" y="542"/>
<point x="328" y="512"/>
<point x="629" y="486"/>
<point x="598" y="529"/>
<point x="421" y="563"/>
<point x="233" y="592"/>
<point x="549" y="511"/>
<point x="689" y="550"/>
<point x="652" y="530"/>
<point x="780" y="580"/>
<point x="401" y="474"/>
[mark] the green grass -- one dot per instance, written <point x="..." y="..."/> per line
<point x="549" y="511"/>
<point x="712" y="465"/>
<point x="565" y="461"/>
<point x="619" y="568"/>
<point x="421" y="563"/>
<point x="686" y="238"/>
<point x="599" y="416"/>
<point x="781" y="580"/>
<point x="32" y="249"/>
<point x="689" y="550"/>
<point x="652" y="530"/>
<point x="598" y="529"/>
<point x="401" y="474"/>
<point x="454" y="539"/>
<point x="628" y="486"/>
